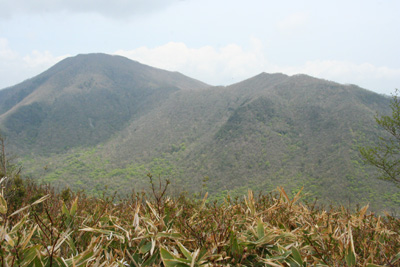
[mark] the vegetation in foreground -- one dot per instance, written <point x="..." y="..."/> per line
<point x="40" y="227"/>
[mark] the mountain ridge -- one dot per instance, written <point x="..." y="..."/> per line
<point x="113" y="121"/>
<point x="74" y="84"/>
<point x="94" y="63"/>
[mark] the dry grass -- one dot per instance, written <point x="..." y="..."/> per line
<point x="156" y="230"/>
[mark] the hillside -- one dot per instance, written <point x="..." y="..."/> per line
<point x="82" y="101"/>
<point x="96" y="120"/>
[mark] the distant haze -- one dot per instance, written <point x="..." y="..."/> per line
<point x="218" y="42"/>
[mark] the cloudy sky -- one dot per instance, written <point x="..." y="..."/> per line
<point x="217" y="41"/>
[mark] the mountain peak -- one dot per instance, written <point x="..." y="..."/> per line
<point x="117" y="68"/>
<point x="99" y="91"/>
<point x="97" y="69"/>
<point x="97" y="119"/>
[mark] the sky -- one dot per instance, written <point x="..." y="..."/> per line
<point x="219" y="42"/>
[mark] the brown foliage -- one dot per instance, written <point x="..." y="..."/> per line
<point x="270" y="230"/>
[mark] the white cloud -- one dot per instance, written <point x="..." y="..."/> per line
<point x="216" y="66"/>
<point x="224" y="65"/>
<point x="15" y="68"/>
<point x="42" y="60"/>
<point x="233" y="63"/>
<point x="5" y="51"/>
<point x="377" y="78"/>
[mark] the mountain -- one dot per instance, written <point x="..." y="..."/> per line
<point x="82" y="101"/>
<point x="96" y="120"/>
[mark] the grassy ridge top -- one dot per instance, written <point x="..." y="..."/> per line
<point x="157" y="230"/>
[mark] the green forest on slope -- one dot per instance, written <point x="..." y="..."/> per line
<point x="96" y="120"/>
